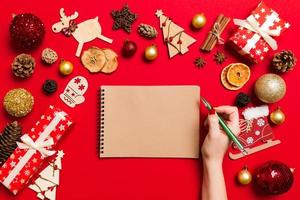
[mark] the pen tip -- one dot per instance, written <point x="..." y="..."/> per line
<point x="244" y="152"/>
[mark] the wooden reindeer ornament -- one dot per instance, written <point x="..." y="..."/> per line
<point x="83" y="32"/>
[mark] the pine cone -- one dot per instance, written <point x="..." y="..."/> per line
<point x="147" y="31"/>
<point x="23" y="65"/>
<point x="11" y="134"/>
<point x="284" y="61"/>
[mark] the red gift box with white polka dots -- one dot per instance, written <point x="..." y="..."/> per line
<point x="28" y="157"/>
<point x="257" y="35"/>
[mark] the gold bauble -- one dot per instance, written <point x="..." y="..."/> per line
<point x="277" y="116"/>
<point x="270" y="88"/>
<point x="151" y="52"/>
<point x="65" y="67"/>
<point x="198" y="21"/>
<point x="244" y="176"/>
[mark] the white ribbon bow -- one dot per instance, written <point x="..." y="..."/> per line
<point x="28" y="143"/>
<point x="251" y="24"/>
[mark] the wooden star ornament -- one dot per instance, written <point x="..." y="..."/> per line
<point x="123" y="19"/>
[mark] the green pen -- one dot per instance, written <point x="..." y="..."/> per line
<point x="227" y="130"/>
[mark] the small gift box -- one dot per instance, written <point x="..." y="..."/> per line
<point x="36" y="145"/>
<point x="256" y="35"/>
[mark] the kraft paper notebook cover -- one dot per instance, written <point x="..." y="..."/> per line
<point x="149" y="121"/>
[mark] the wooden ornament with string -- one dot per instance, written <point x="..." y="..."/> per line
<point x="214" y="35"/>
<point x="174" y="36"/>
<point x="48" y="180"/>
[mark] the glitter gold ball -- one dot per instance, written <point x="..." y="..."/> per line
<point x="18" y="102"/>
<point x="270" y="88"/>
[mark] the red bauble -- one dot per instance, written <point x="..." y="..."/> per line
<point x="273" y="178"/>
<point x="26" y="31"/>
<point x="129" y="48"/>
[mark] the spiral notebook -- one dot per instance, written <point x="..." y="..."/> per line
<point x="149" y="121"/>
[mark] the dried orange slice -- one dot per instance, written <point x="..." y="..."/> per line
<point x="93" y="59"/>
<point x="238" y="74"/>
<point x="224" y="81"/>
<point x="111" y="61"/>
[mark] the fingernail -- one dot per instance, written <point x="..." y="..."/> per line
<point x="212" y="112"/>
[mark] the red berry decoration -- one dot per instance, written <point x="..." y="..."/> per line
<point x="129" y="48"/>
<point x="273" y="178"/>
<point x="26" y="31"/>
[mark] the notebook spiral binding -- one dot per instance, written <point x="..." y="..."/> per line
<point x="101" y="97"/>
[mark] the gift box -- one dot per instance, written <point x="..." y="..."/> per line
<point x="34" y="147"/>
<point x="256" y="35"/>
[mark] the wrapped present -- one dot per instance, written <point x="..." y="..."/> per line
<point x="36" y="145"/>
<point x="256" y="35"/>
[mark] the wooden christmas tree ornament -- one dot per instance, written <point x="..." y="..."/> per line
<point x="83" y="32"/>
<point x="48" y="180"/>
<point x="175" y="37"/>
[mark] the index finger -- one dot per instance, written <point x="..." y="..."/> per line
<point x="231" y="111"/>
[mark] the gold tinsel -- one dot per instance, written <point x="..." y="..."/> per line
<point x="18" y="102"/>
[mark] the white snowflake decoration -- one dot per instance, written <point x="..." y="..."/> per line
<point x="257" y="132"/>
<point x="250" y="140"/>
<point x="261" y="122"/>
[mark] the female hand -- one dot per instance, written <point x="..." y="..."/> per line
<point x="216" y="142"/>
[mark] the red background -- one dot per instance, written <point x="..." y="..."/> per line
<point x="84" y="175"/>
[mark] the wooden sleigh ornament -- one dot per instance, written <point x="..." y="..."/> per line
<point x="83" y="32"/>
<point x="256" y="133"/>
